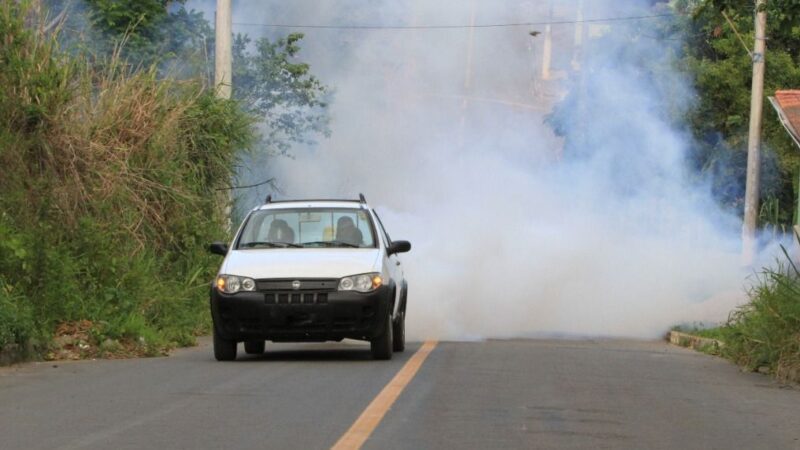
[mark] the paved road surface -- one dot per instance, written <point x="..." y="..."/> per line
<point x="495" y="394"/>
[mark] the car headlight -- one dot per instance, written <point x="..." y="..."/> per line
<point x="365" y="282"/>
<point x="231" y="284"/>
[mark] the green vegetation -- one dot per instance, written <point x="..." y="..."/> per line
<point x="721" y="70"/>
<point x="271" y="76"/>
<point x="763" y="334"/>
<point x="117" y="159"/>
<point x="109" y="195"/>
<point x="154" y="31"/>
<point x="701" y="44"/>
<point x="766" y="331"/>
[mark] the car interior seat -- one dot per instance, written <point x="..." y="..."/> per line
<point x="346" y="231"/>
<point x="280" y="231"/>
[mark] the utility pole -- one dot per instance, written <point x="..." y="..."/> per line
<point x="223" y="75"/>
<point x="577" y="54"/>
<point x="547" y="49"/>
<point x="223" y="64"/>
<point x="752" y="189"/>
<point x="467" y="73"/>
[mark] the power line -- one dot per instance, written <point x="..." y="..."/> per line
<point x="230" y="188"/>
<point x="450" y="27"/>
<point x="682" y="38"/>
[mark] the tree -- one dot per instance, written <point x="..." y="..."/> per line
<point x="712" y="56"/>
<point x="143" y="31"/>
<point x="721" y="69"/>
<point x="290" y="102"/>
<point x="289" y="99"/>
<point x="268" y="79"/>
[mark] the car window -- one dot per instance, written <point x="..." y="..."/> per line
<point x="383" y="230"/>
<point x="308" y="227"/>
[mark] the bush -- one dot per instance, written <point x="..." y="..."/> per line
<point x="16" y="321"/>
<point x="766" y="331"/>
<point x="110" y="193"/>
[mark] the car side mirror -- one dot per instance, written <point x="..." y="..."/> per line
<point x="218" y="248"/>
<point x="398" y="247"/>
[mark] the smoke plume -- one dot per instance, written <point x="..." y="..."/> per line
<point x="515" y="231"/>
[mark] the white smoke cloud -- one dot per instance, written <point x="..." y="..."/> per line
<point x="444" y="132"/>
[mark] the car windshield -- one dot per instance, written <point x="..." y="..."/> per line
<point x="308" y="228"/>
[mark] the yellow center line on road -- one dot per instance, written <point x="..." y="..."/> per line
<point x="366" y="423"/>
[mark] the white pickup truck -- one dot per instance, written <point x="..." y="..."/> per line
<point x="309" y="270"/>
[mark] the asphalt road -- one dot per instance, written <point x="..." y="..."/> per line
<point x="495" y="394"/>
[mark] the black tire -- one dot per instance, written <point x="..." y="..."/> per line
<point x="399" y="333"/>
<point x="224" y="350"/>
<point x="254" y="347"/>
<point x="381" y="346"/>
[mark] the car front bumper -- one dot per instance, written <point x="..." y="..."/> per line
<point x="300" y="316"/>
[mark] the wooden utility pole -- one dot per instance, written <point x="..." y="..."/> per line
<point x="223" y="64"/>
<point x="752" y="189"/>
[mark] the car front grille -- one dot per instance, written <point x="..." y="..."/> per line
<point x="295" y="298"/>
<point x="286" y="291"/>
<point x="319" y="285"/>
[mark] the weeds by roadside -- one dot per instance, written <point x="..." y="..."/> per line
<point x="108" y="197"/>
<point x="764" y="334"/>
<point x="766" y="331"/>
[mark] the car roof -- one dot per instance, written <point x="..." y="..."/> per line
<point x="286" y="204"/>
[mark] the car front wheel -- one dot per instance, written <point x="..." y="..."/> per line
<point x="224" y="349"/>
<point x="381" y="346"/>
<point x="399" y="333"/>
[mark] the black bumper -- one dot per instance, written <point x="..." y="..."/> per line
<point x="300" y="316"/>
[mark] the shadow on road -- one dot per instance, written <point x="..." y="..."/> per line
<point x="322" y="355"/>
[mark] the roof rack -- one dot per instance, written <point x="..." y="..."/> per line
<point x="361" y="199"/>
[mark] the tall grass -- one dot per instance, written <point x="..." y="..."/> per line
<point x="108" y="193"/>
<point x="765" y="332"/>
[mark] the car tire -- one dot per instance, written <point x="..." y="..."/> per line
<point x="224" y="349"/>
<point x="254" y="347"/>
<point x="399" y="333"/>
<point x="381" y="346"/>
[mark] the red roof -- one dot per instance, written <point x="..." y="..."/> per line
<point x="789" y="102"/>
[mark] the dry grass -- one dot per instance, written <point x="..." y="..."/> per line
<point x="109" y="191"/>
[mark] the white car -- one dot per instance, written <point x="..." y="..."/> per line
<point x="309" y="270"/>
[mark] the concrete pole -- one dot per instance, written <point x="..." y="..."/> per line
<point x="223" y="63"/>
<point x="467" y="74"/>
<point x="577" y="54"/>
<point x="223" y="70"/>
<point x="752" y="189"/>
<point x="547" y="48"/>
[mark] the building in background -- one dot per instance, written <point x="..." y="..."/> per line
<point x="787" y="105"/>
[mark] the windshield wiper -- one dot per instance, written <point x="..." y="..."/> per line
<point x="270" y="244"/>
<point x="331" y="244"/>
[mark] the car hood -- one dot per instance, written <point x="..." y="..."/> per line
<point x="301" y="262"/>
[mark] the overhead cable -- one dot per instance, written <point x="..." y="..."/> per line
<point x="450" y="27"/>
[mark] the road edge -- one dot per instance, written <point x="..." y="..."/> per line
<point x="698" y="343"/>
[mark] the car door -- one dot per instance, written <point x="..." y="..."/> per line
<point x="392" y="263"/>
